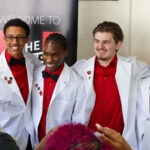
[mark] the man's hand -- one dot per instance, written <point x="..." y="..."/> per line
<point x="113" y="138"/>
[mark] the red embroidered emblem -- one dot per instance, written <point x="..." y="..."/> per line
<point x="9" y="81"/>
<point x="89" y="72"/>
<point x="40" y="93"/>
<point x="36" y="85"/>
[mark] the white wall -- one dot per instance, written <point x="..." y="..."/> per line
<point x="140" y="33"/>
<point x="131" y="15"/>
<point x="92" y="13"/>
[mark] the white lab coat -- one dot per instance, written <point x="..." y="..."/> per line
<point x="67" y="102"/>
<point x="126" y="73"/>
<point x="15" y="116"/>
<point x="143" y="111"/>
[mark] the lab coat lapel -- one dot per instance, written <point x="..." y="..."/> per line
<point x="62" y="82"/>
<point x="89" y="74"/>
<point x="39" y="85"/>
<point x="29" y="68"/>
<point x="37" y="96"/>
<point x="123" y="79"/>
<point x="6" y="73"/>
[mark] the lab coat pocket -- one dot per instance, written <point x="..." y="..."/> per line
<point x="11" y="108"/>
<point x="63" y="111"/>
<point x="146" y="136"/>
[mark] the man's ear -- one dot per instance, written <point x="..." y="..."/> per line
<point x="27" y="39"/>
<point x="118" y="45"/>
<point x="66" y="52"/>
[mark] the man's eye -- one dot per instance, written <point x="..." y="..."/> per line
<point x="10" y="37"/>
<point x="45" y="53"/>
<point x="106" y="42"/>
<point x="20" y="38"/>
<point x="96" y="41"/>
<point x="55" y="55"/>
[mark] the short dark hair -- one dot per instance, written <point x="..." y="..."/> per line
<point x="7" y="142"/>
<point x="58" y="38"/>
<point x="111" y="27"/>
<point x="19" y="23"/>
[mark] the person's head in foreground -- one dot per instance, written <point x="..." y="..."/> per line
<point x="73" y="137"/>
<point x="7" y="142"/>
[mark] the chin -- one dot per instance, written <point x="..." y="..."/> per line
<point x="51" y="69"/>
<point x="102" y="58"/>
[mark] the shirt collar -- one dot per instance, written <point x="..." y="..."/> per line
<point x="113" y="63"/>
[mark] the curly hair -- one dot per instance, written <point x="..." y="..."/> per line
<point x="57" y="38"/>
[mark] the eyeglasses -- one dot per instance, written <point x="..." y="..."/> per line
<point x="18" y="38"/>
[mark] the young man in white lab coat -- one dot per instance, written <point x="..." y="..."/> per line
<point x="58" y="94"/>
<point x="110" y="82"/>
<point x="16" y="76"/>
<point x="143" y="111"/>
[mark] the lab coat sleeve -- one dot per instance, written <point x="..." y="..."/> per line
<point x="79" y="66"/>
<point x="143" y="111"/>
<point x="139" y="66"/>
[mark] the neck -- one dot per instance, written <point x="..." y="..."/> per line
<point x="105" y="62"/>
<point x="16" y="56"/>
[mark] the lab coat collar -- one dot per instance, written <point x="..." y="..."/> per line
<point x="62" y="82"/>
<point x="89" y="74"/>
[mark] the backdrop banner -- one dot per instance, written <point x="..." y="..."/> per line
<point x="44" y="17"/>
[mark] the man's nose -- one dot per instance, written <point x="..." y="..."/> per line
<point x="49" y="59"/>
<point x="101" y="45"/>
<point x="14" y="40"/>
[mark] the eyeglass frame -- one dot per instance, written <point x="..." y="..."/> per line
<point x="17" y="38"/>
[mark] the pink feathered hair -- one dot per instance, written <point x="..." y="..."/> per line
<point x="73" y="136"/>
